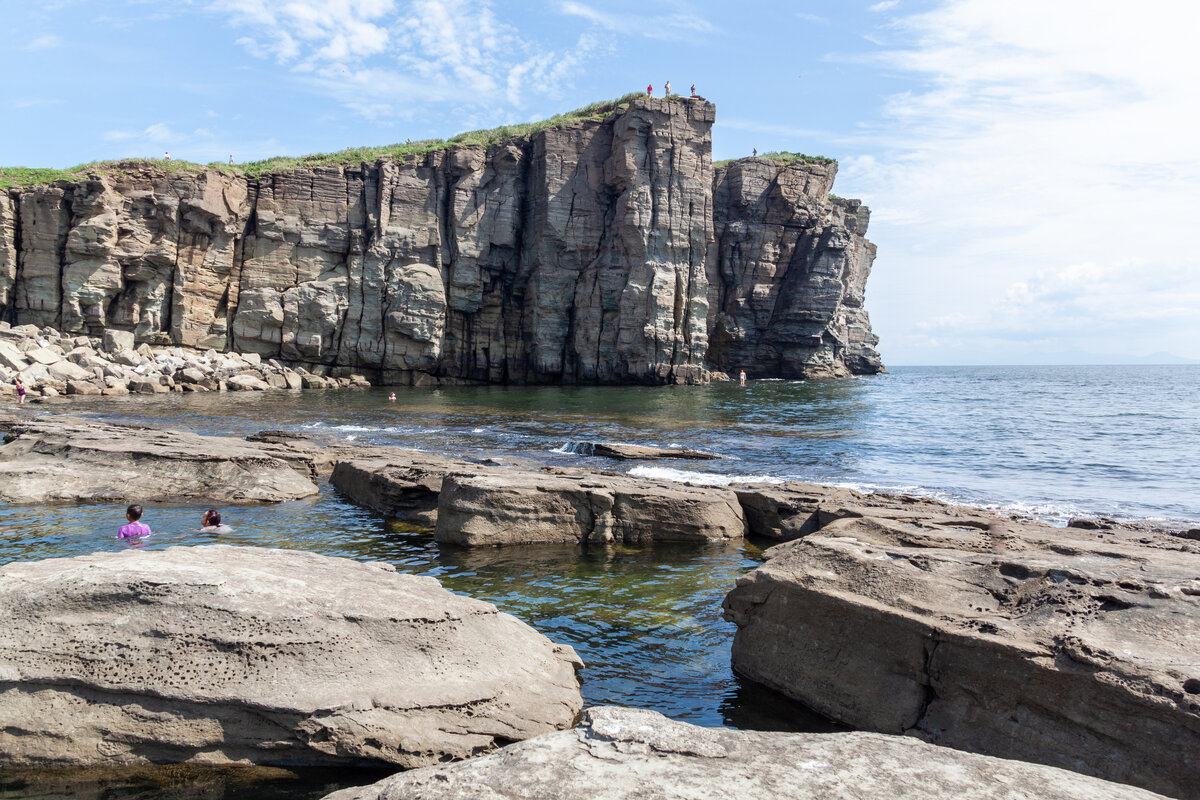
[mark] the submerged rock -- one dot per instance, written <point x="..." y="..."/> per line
<point x="630" y="754"/>
<point x="70" y="460"/>
<point x="1059" y="646"/>
<point x="225" y="654"/>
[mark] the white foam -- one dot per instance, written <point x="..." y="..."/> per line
<point x="703" y="478"/>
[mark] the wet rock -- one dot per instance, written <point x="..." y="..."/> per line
<point x="633" y="452"/>
<point x="631" y="754"/>
<point x="406" y="487"/>
<point x="1019" y="640"/>
<point x="225" y="654"/>
<point x="68" y="460"/>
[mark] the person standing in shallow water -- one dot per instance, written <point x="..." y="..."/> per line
<point x="20" y="392"/>
<point x="742" y="377"/>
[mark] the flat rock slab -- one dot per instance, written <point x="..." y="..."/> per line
<point x="629" y="754"/>
<point x="1072" y="648"/>
<point x="524" y="507"/>
<point x="74" y="460"/>
<point x="636" y="452"/>
<point x="226" y="654"/>
<point x="786" y="511"/>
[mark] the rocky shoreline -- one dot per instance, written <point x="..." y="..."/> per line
<point x="1071" y="648"/>
<point x="50" y="364"/>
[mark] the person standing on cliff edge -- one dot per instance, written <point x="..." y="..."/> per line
<point x="667" y="89"/>
<point x="650" y="90"/>
<point x="693" y="90"/>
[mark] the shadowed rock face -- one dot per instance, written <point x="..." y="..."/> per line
<point x="225" y="654"/>
<point x="1070" y="648"/>
<point x="635" y="754"/>
<point x="579" y="254"/>
<point x="792" y="266"/>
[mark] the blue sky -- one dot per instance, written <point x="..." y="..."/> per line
<point x="1031" y="166"/>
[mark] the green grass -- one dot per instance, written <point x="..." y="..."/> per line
<point x="783" y="159"/>
<point x="30" y="176"/>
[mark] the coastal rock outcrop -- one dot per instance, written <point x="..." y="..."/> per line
<point x="73" y="460"/>
<point x="225" y="654"/>
<point x="792" y="266"/>
<point x="578" y="253"/>
<point x="578" y="507"/>
<point x="472" y="503"/>
<point x="1059" y="646"/>
<point x="634" y="754"/>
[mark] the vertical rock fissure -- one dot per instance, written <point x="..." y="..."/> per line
<point x="10" y="311"/>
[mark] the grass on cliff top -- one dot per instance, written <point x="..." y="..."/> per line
<point x="783" y="158"/>
<point x="30" y="176"/>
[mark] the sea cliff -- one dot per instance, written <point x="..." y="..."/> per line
<point x="603" y="250"/>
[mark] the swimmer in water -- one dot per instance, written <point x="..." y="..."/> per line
<point x="211" y="522"/>
<point x="135" y="529"/>
<point x="392" y="397"/>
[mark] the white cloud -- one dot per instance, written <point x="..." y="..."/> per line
<point x="884" y="5"/>
<point x="45" y="42"/>
<point x="381" y="58"/>
<point x="682" y="24"/>
<point x="1044" y="175"/>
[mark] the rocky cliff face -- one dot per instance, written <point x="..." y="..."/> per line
<point x="791" y="267"/>
<point x="580" y="254"/>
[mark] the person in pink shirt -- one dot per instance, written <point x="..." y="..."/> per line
<point x="134" y="529"/>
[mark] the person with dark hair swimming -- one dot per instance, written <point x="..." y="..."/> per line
<point x="211" y="522"/>
<point x="135" y="529"/>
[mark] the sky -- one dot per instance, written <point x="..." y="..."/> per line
<point x="1032" y="167"/>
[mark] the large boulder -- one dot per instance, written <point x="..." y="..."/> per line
<point x="226" y="654"/>
<point x="630" y="754"/>
<point x="573" y="506"/>
<point x="69" y="460"/>
<point x="406" y="488"/>
<point x="1064" y="647"/>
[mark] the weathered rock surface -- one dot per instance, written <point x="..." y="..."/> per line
<point x="573" y="506"/>
<point x="473" y="503"/>
<point x="1064" y="647"/>
<point x="787" y="511"/>
<point x="638" y="452"/>
<point x="68" y="460"/>
<point x="792" y="266"/>
<point x="582" y="253"/>
<point x="628" y="753"/>
<point x="223" y="654"/>
<point x="112" y="366"/>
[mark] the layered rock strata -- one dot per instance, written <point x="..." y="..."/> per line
<point x="72" y="460"/>
<point x="225" y="654"/>
<point x="474" y="504"/>
<point x="634" y="754"/>
<point x="1059" y="646"/>
<point x="792" y="266"/>
<point x="582" y="253"/>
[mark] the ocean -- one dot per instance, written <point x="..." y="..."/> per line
<point x="1050" y="442"/>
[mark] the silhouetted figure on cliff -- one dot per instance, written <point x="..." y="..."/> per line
<point x="693" y="90"/>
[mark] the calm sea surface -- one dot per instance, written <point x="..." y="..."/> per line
<point x="1055" y="442"/>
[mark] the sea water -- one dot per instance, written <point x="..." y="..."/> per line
<point x="1052" y="442"/>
